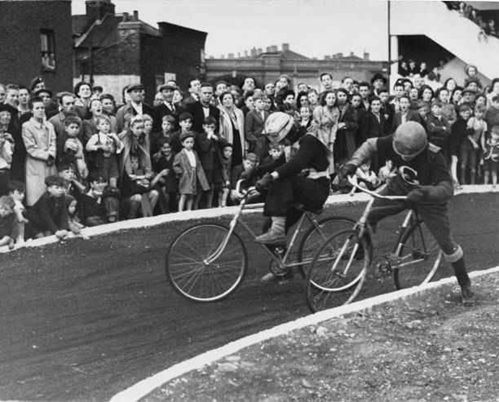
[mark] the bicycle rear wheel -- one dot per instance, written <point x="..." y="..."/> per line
<point x="338" y="271"/>
<point x="419" y="258"/>
<point x="317" y="234"/>
<point x="200" y="268"/>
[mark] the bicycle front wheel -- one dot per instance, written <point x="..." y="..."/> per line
<point x="419" y="258"/>
<point x="317" y="234"/>
<point x="338" y="271"/>
<point x="204" y="265"/>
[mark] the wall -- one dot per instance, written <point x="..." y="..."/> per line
<point x="20" y="24"/>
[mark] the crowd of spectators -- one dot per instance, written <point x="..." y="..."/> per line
<point x="487" y="24"/>
<point x="76" y="159"/>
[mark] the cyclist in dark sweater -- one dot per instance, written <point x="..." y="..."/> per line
<point x="304" y="179"/>
<point x="409" y="147"/>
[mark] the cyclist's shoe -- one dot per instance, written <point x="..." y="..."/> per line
<point x="279" y="279"/>
<point x="467" y="296"/>
<point x="272" y="237"/>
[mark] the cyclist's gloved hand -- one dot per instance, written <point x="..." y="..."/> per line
<point x="417" y="195"/>
<point x="264" y="183"/>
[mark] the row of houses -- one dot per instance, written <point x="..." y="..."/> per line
<point x="42" y="38"/>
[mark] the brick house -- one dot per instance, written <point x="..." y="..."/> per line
<point x="114" y="50"/>
<point x="35" y="37"/>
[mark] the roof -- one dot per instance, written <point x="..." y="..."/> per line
<point x="105" y="33"/>
<point x="285" y="55"/>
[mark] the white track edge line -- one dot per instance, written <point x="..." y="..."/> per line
<point x="152" y="221"/>
<point x="148" y="385"/>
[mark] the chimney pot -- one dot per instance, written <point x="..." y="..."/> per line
<point x="135" y="15"/>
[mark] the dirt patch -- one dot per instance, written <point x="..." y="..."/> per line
<point x="426" y="348"/>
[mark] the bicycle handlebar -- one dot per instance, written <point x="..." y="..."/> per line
<point x="244" y="192"/>
<point x="353" y="181"/>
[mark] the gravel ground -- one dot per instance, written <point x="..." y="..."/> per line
<point x="426" y="348"/>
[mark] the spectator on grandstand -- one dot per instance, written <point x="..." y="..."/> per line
<point x="232" y="127"/>
<point x="167" y="183"/>
<point x="471" y="72"/>
<point x="103" y="149"/>
<point x="74" y="224"/>
<point x="178" y="97"/>
<point x="426" y="94"/>
<point x="36" y="84"/>
<point x="302" y="100"/>
<point x="51" y="107"/>
<point x="325" y="124"/>
<point x="224" y="192"/>
<point x="481" y="100"/>
<point x="423" y="69"/>
<point x="7" y="222"/>
<point x="90" y="125"/>
<point x="7" y="145"/>
<point x="468" y="96"/>
<point x="378" y="82"/>
<point x="220" y="88"/>
<point x="83" y="92"/>
<point x="203" y="108"/>
<point x="108" y="105"/>
<point x="137" y="177"/>
<point x="386" y="172"/>
<point x="457" y="96"/>
<point x="192" y="178"/>
<point x="288" y="103"/>
<point x="74" y="186"/>
<point x="49" y="216"/>
<point x="249" y="102"/>
<point x="253" y="128"/>
<point x="491" y="156"/>
<point x="135" y="107"/>
<point x="306" y="117"/>
<point x="40" y="141"/>
<point x="366" y="176"/>
<point x="326" y="80"/>
<point x="347" y="83"/>
<point x="494" y="90"/>
<point x="459" y="134"/>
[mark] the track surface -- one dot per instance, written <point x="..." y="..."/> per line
<point x="83" y="320"/>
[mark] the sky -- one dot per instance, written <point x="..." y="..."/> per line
<point x="313" y="28"/>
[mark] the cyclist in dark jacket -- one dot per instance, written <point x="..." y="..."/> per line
<point x="409" y="147"/>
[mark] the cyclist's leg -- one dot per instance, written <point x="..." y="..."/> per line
<point x="384" y="208"/>
<point x="436" y="218"/>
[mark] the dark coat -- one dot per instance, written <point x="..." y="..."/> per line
<point x="411" y="116"/>
<point x="49" y="214"/>
<point x="196" y="109"/>
<point x="371" y="127"/>
<point x="344" y="145"/>
<point x="253" y="128"/>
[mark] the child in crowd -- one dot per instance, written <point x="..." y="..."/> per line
<point x="438" y="128"/>
<point x="72" y="148"/>
<point x="470" y="148"/>
<point x="366" y="177"/>
<point x="208" y="149"/>
<point x="49" y="215"/>
<point x="188" y="168"/>
<point x="386" y="172"/>
<point x="491" y="156"/>
<point x="98" y="205"/>
<point x="254" y="125"/>
<point x="17" y="191"/>
<point x="74" y="224"/>
<point x="305" y="117"/>
<point x="7" y="221"/>
<point x="162" y="164"/>
<point x="241" y="172"/>
<point x="226" y="171"/>
<point x="166" y="134"/>
<point x="459" y="135"/>
<point x="103" y="149"/>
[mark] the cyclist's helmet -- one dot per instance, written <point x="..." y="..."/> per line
<point x="277" y="126"/>
<point x="409" y="140"/>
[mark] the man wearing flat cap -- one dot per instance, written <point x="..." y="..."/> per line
<point x="134" y="107"/>
<point x="167" y="108"/>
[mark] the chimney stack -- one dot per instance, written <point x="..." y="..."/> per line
<point x="366" y="56"/>
<point x="285" y="47"/>
<point x="135" y="15"/>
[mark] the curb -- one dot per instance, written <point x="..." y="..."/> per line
<point x="141" y="223"/>
<point x="148" y="385"/>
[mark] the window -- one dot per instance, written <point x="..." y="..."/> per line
<point x="47" y="47"/>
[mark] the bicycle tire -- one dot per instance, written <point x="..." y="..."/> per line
<point x="327" y="289"/>
<point x="316" y="235"/>
<point x="186" y="267"/>
<point x="415" y="247"/>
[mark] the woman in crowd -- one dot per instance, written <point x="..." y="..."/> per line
<point x="325" y="123"/>
<point x="40" y="141"/>
<point x="83" y="92"/>
<point x="232" y="127"/>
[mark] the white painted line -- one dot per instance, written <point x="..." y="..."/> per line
<point x="337" y="199"/>
<point x="148" y="385"/>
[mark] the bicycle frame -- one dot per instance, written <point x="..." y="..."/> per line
<point x="281" y="261"/>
